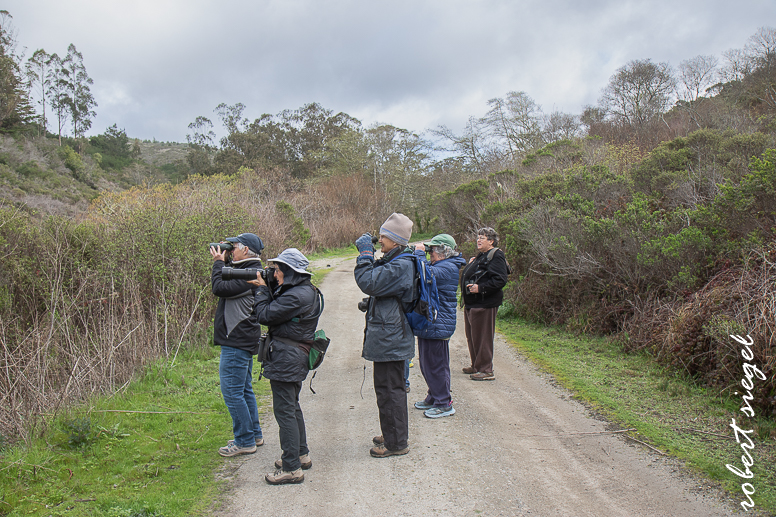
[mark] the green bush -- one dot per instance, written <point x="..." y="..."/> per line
<point x="72" y="161"/>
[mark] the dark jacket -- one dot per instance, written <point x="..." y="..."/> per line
<point x="234" y="324"/>
<point x="388" y="336"/>
<point x="490" y="277"/>
<point x="446" y="274"/>
<point x="291" y="314"/>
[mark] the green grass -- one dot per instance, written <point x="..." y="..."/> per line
<point x="149" y="451"/>
<point x="670" y="412"/>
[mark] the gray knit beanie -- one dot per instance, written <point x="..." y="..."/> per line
<point x="398" y="228"/>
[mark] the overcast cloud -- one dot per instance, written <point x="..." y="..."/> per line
<point x="158" y="64"/>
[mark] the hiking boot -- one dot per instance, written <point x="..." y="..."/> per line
<point x="422" y="404"/>
<point x="483" y="376"/>
<point x="232" y="449"/>
<point x="281" y="477"/>
<point x="381" y="452"/>
<point x="305" y="459"/>
<point x="439" y="412"/>
<point x="378" y="440"/>
<point x="468" y="370"/>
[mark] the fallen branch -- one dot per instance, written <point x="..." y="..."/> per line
<point x="645" y="444"/>
<point x="151" y="412"/>
<point x="571" y="434"/>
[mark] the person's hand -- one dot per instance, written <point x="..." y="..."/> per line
<point x="365" y="248"/>
<point x="364" y="244"/>
<point x="471" y="260"/>
<point x="259" y="280"/>
<point x="420" y="247"/>
<point x="474" y="288"/>
<point x="218" y="254"/>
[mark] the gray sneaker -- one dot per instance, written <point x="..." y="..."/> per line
<point x="304" y="458"/>
<point x="422" y="404"/>
<point x="439" y="412"/>
<point x="232" y="449"/>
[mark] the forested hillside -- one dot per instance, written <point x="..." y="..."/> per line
<point x="649" y="217"/>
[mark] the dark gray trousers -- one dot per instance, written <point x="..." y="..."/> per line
<point x="288" y="414"/>
<point x="392" y="403"/>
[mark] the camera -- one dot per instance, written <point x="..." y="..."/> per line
<point x="232" y="273"/>
<point x="363" y="305"/>
<point x="225" y="246"/>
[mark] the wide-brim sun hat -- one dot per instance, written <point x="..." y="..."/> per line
<point x="294" y="259"/>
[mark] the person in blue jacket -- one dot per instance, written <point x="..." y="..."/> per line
<point x="433" y="342"/>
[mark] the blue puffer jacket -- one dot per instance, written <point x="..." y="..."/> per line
<point x="446" y="273"/>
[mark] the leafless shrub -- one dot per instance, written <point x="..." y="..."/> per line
<point x="694" y="335"/>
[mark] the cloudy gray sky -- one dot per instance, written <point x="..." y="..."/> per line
<point x="158" y="64"/>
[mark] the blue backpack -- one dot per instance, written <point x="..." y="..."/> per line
<point x="425" y="303"/>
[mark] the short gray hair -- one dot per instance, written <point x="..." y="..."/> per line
<point x="443" y="250"/>
<point x="248" y="251"/>
<point x="489" y="234"/>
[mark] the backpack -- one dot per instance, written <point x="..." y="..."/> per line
<point x="425" y="302"/>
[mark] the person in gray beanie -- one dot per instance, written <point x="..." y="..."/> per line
<point x="388" y="338"/>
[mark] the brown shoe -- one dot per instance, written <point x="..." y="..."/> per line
<point x="378" y="440"/>
<point x="304" y="458"/>
<point x="468" y="370"/>
<point x="483" y="376"/>
<point x="281" y="477"/>
<point x="381" y="452"/>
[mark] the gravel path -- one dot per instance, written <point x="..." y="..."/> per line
<point x="516" y="446"/>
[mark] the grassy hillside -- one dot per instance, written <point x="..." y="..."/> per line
<point x="38" y="173"/>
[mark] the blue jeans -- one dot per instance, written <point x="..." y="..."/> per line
<point x="235" y="374"/>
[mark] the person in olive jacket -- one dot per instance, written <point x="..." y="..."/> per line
<point x="291" y="311"/>
<point x="237" y="332"/>
<point x="388" y="338"/>
<point x="482" y="281"/>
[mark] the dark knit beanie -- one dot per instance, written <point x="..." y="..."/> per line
<point x="398" y="228"/>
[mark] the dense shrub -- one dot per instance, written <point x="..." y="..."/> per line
<point x="613" y="241"/>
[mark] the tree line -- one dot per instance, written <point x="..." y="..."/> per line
<point x="60" y="84"/>
<point x="644" y="103"/>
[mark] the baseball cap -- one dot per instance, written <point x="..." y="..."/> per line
<point x="250" y="240"/>
<point x="442" y="239"/>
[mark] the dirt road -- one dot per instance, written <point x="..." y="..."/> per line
<point x="516" y="446"/>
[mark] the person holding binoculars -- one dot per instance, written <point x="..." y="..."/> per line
<point x="237" y="332"/>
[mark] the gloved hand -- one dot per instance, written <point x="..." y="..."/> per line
<point x="364" y="244"/>
<point x="365" y="248"/>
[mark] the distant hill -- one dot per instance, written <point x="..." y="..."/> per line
<point x="37" y="173"/>
<point x="163" y="153"/>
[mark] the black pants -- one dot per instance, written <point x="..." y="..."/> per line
<point x="288" y="414"/>
<point x="392" y="403"/>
